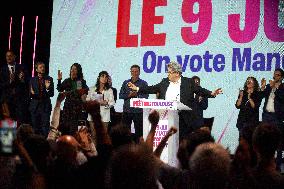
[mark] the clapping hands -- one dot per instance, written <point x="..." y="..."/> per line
<point x="132" y="86"/>
<point x="47" y="84"/>
<point x="59" y="75"/>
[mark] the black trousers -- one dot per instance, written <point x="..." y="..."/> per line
<point x="186" y="124"/>
<point x="137" y="118"/>
<point x="272" y="119"/>
<point x="41" y="120"/>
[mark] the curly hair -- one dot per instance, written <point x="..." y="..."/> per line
<point x="79" y="71"/>
<point x="256" y="85"/>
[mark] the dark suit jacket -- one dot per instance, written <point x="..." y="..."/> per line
<point x="8" y="89"/>
<point x="198" y="108"/>
<point x="248" y="116"/>
<point x="278" y="100"/>
<point x="16" y="93"/>
<point x="114" y="90"/>
<point x="45" y="100"/>
<point x="187" y="90"/>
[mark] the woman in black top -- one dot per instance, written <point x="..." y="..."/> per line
<point x="75" y="88"/>
<point x="248" y="102"/>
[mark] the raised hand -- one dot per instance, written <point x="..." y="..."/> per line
<point x="172" y="131"/>
<point x="272" y="83"/>
<point x="59" y="73"/>
<point x="241" y="93"/>
<point x="164" y="141"/>
<point x="47" y="84"/>
<point x="154" y="117"/>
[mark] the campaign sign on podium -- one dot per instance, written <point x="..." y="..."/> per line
<point x="168" y="111"/>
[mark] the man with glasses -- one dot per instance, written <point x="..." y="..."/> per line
<point x="133" y="114"/>
<point x="273" y="109"/>
<point x="178" y="88"/>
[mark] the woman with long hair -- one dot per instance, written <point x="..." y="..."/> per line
<point x="75" y="88"/>
<point x="248" y="103"/>
<point x="103" y="93"/>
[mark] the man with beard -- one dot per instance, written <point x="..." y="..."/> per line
<point x="273" y="109"/>
<point x="41" y="89"/>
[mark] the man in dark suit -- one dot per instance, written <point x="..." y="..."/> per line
<point x="199" y="105"/>
<point x="178" y="88"/>
<point x="41" y="89"/>
<point x="273" y="109"/>
<point x="14" y="88"/>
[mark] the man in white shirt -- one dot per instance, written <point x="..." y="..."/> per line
<point x="273" y="109"/>
<point x="179" y="88"/>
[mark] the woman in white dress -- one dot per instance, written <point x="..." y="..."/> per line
<point x="104" y="95"/>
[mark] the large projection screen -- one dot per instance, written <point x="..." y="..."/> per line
<point x="221" y="41"/>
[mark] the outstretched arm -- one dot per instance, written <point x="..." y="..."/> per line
<point x="164" y="141"/>
<point x="216" y="92"/>
<point x="154" y="89"/>
<point x="204" y="92"/>
<point x="153" y="118"/>
<point x="54" y="133"/>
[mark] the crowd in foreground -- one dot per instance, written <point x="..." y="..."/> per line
<point x="96" y="158"/>
<point x="103" y="153"/>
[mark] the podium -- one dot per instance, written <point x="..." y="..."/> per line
<point x="168" y="111"/>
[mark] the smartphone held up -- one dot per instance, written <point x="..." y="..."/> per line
<point x="8" y="129"/>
